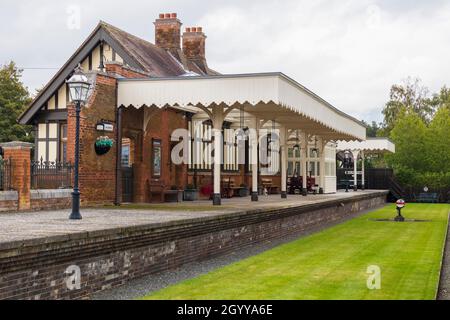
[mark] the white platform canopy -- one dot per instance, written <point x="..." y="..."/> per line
<point x="270" y="96"/>
<point x="360" y="149"/>
<point x="370" y="146"/>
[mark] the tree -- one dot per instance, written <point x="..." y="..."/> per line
<point x="410" y="135"/>
<point x="442" y="99"/>
<point x="438" y="141"/>
<point x="14" y="98"/>
<point x="373" y="129"/>
<point x="409" y="97"/>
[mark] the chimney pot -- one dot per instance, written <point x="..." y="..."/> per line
<point x="168" y="32"/>
<point x="194" y="45"/>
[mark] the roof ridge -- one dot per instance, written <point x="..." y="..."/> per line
<point x="111" y="29"/>
<point x="108" y="25"/>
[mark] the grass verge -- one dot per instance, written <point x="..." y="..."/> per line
<point x="333" y="264"/>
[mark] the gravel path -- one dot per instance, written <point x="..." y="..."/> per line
<point x="444" y="283"/>
<point x="140" y="287"/>
<point x="23" y="226"/>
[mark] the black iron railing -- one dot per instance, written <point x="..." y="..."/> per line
<point x="5" y="174"/>
<point x="51" y="175"/>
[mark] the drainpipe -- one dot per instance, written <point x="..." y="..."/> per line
<point x="118" y="198"/>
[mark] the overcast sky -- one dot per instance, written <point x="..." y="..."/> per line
<point x="347" y="51"/>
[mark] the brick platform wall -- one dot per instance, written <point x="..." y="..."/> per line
<point x="51" y="199"/>
<point x="37" y="269"/>
<point x="9" y="201"/>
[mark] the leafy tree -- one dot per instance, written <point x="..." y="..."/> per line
<point x="422" y="155"/>
<point x="438" y="141"/>
<point x="14" y="98"/>
<point x="409" y="97"/>
<point x="373" y="129"/>
<point x="410" y="136"/>
<point x="442" y="99"/>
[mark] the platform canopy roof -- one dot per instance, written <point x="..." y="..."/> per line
<point x="269" y="96"/>
<point x="371" y="145"/>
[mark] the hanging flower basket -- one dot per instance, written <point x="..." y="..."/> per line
<point x="103" y="145"/>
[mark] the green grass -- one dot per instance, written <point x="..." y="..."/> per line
<point x="332" y="264"/>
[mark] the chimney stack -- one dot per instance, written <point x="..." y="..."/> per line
<point x="168" y="32"/>
<point x="194" y="41"/>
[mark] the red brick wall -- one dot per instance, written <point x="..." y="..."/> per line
<point x="20" y="175"/>
<point x="124" y="71"/>
<point x="161" y="125"/>
<point x="97" y="173"/>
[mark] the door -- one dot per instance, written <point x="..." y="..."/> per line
<point x="127" y="184"/>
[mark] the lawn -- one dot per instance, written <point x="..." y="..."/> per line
<point x="332" y="264"/>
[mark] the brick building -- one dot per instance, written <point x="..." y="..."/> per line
<point x="143" y="92"/>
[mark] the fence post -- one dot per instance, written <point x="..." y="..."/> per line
<point x="19" y="154"/>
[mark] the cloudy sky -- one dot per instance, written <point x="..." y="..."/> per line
<point x="347" y="51"/>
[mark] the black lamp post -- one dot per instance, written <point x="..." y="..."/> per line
<point x="78" y="88"/>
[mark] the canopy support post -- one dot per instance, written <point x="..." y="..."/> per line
<point x="283" y="145"/>
<point x="303" y="155"/>
<point x="254" y="139"/>
<point x="323" y="143"/>
<point x="217" y="120"/>
<point x="355" y="169"/>
<point x="363" y="179"/>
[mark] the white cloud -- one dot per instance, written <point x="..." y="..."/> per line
<point x="349" y="52"/>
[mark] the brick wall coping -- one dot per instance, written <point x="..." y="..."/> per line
<point x="9" y="196"/>
<point x="16" y="145"/>
<point x="51" y="194"/>
<point x="165" y="231"/>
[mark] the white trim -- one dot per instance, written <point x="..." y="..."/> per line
<point x="269" y="95"/>
<point x="378" y="145"/>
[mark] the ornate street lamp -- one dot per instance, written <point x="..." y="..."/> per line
<point x="400" y="204"/>
<point x="78" y="89"/>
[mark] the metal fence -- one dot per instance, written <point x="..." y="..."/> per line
<point x="5" y="174"/>
<point x="51" y="175"/>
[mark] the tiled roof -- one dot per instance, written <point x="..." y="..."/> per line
<point x="156" y="61"/>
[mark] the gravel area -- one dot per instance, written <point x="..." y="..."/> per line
<point x="143" y="286"/>
<point x="20" y="226"/>
<point x="444" y="283"/>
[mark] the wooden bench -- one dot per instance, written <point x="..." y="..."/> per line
<point x="229" y="188"/>
<point x="311" y="184"/>
<point x="267" y="183"/>
<point x="164" y="193"/>
<point x="428" y="198"/>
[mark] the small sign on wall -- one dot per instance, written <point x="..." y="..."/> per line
<point x="105" y="127"/>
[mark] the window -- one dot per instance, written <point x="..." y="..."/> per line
<point x="156" y="158"/>
<point x="290" y="168"/>
<point x="290" y="153"/>
<point x="230" y="151"/>
<point x="125" y="158"/>
<point x="298" y="168"/>
<point x="312" y="168"/>
<point x="49" y="142"/>
<point x="63" y="143"/>
<point x="200" y="148"/>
